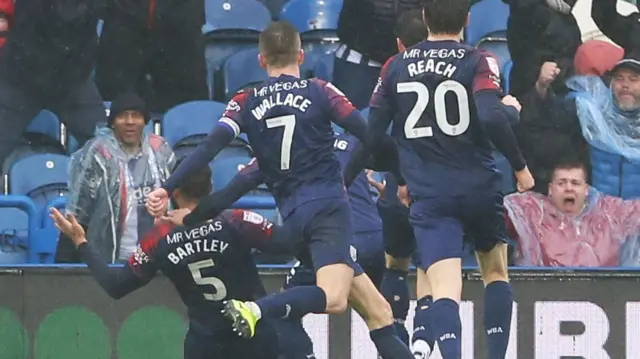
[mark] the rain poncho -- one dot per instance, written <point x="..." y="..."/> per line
<point x="99" y="180"/>
<point x="605" y="126"/>
<point x="604" y="234"/>
<point x="613" y="136"/>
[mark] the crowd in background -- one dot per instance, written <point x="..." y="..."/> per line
<point x="579" y="128"/>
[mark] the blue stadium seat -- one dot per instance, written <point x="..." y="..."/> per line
<point x="46" y="123"/>
<point x="324" y="67"/>
<point x="314" y="52"/>
<point x="225" y="15"/>
<point x="228" y="162"/>
<point x="487" y="17"/>
<point x="312" y="15"/>
<point x="44" y="246"/>
<point x="19" y="228"/>
<point x="497" y="46"/>
<point x="42" y="177"/>
<point x="190" y="120"/>
<point x="506" y="76"/>
<point x="241" y="70"/>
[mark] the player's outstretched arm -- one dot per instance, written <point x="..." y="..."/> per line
<point x="379" y="119"/>
<point x="494" y="116"/>
<point x="211" y="206"/>
<point x="227" y="128"/>
<point x="259" y="233"/>
<point x="216" y="141"/>
<point x="615" y="26"/>
<point x="385" y="158"/>
<point x="117" y="282"/>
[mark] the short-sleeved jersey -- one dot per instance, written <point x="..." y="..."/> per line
<point x="429" y="91"/>
<point x="207" y="263"/>
<point x="288" y="123"/>
<point x="363" y="207"/>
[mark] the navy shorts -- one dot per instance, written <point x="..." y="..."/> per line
<point x="399" y="241"/>
<point x="227" y="345"/>
<point x="370" y="251"/>
<point x="440" y="224"/>
<point x="327" y="228"/>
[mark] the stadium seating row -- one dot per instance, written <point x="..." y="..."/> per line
<point x="234" y="26"/>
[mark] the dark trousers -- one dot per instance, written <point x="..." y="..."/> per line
<point x="80" y="109"/>
<point x="356" y="81"/>
<point x="171" y="52"/>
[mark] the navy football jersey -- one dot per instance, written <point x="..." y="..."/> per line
<point x="429" y="92"/>
<point x="207" y="263"/>
<point x="288" y="123"/>
<point x="363" y="207"/>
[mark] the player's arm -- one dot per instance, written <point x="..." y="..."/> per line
<point x="117" y="282"/>
<point x="227" y="128"/>
<point x="615" y="26"/>
<point x="496" y="118"/>
<point x="380" y="115"/>
<point x="139" y="270"/>
<point x="385" y="158"/>
<point x="211" y="206"/>
<point x="342" y="112"/>
<point x="259" y="233"/>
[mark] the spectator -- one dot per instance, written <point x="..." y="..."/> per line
<point x="550" y="125"/>
<point x="539" y="32"/>
<point x="47" y="63"/>
<point x="610" y="121"/>
<point x="365" y="29"/>
<point x="160" y="38"/>
<point x="6" y="13"/>
<point x="110" y="178"/>
<point x="596" y="58"/>
<point x="623" y="30"/>
<point x="575" y="225"/>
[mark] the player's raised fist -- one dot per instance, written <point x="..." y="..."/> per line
<point x="157" y="202"/>
<point x="512" y="101"/>
<point x="525" y="180"/>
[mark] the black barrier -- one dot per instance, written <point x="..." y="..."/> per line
<point x="63" y="314"/>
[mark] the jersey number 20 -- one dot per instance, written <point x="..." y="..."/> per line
<point x="219" y="287"/>
<point x="411" y="131"/>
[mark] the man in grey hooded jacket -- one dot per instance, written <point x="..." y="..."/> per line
<point x="110" y="177"/>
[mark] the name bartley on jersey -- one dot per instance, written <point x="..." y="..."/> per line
<point x="276" y="98"/>
<point x="198" y="241"/>
<point x="432" y="61"/>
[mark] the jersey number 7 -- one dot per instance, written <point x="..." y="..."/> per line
<point x="289" y="124"/>
<point x="411" y="131"/>
<point x="217" y="284"/>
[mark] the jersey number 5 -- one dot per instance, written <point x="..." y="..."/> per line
<point x="411" y="131"/>
<point x="196" y="271"/>
<point x="289" y="124"/>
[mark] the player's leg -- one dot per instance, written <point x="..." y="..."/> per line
<point x="439" y="234"/>
<point x="424" y="340"/>
<point x="327" y="225"/>
<point x="294" y="341"/>
<point x="377" y="314"/>
<point x="399" y="244"/>
<point x="489" y="233"/>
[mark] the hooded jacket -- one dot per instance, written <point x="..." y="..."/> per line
<point x="98" y="189"/>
